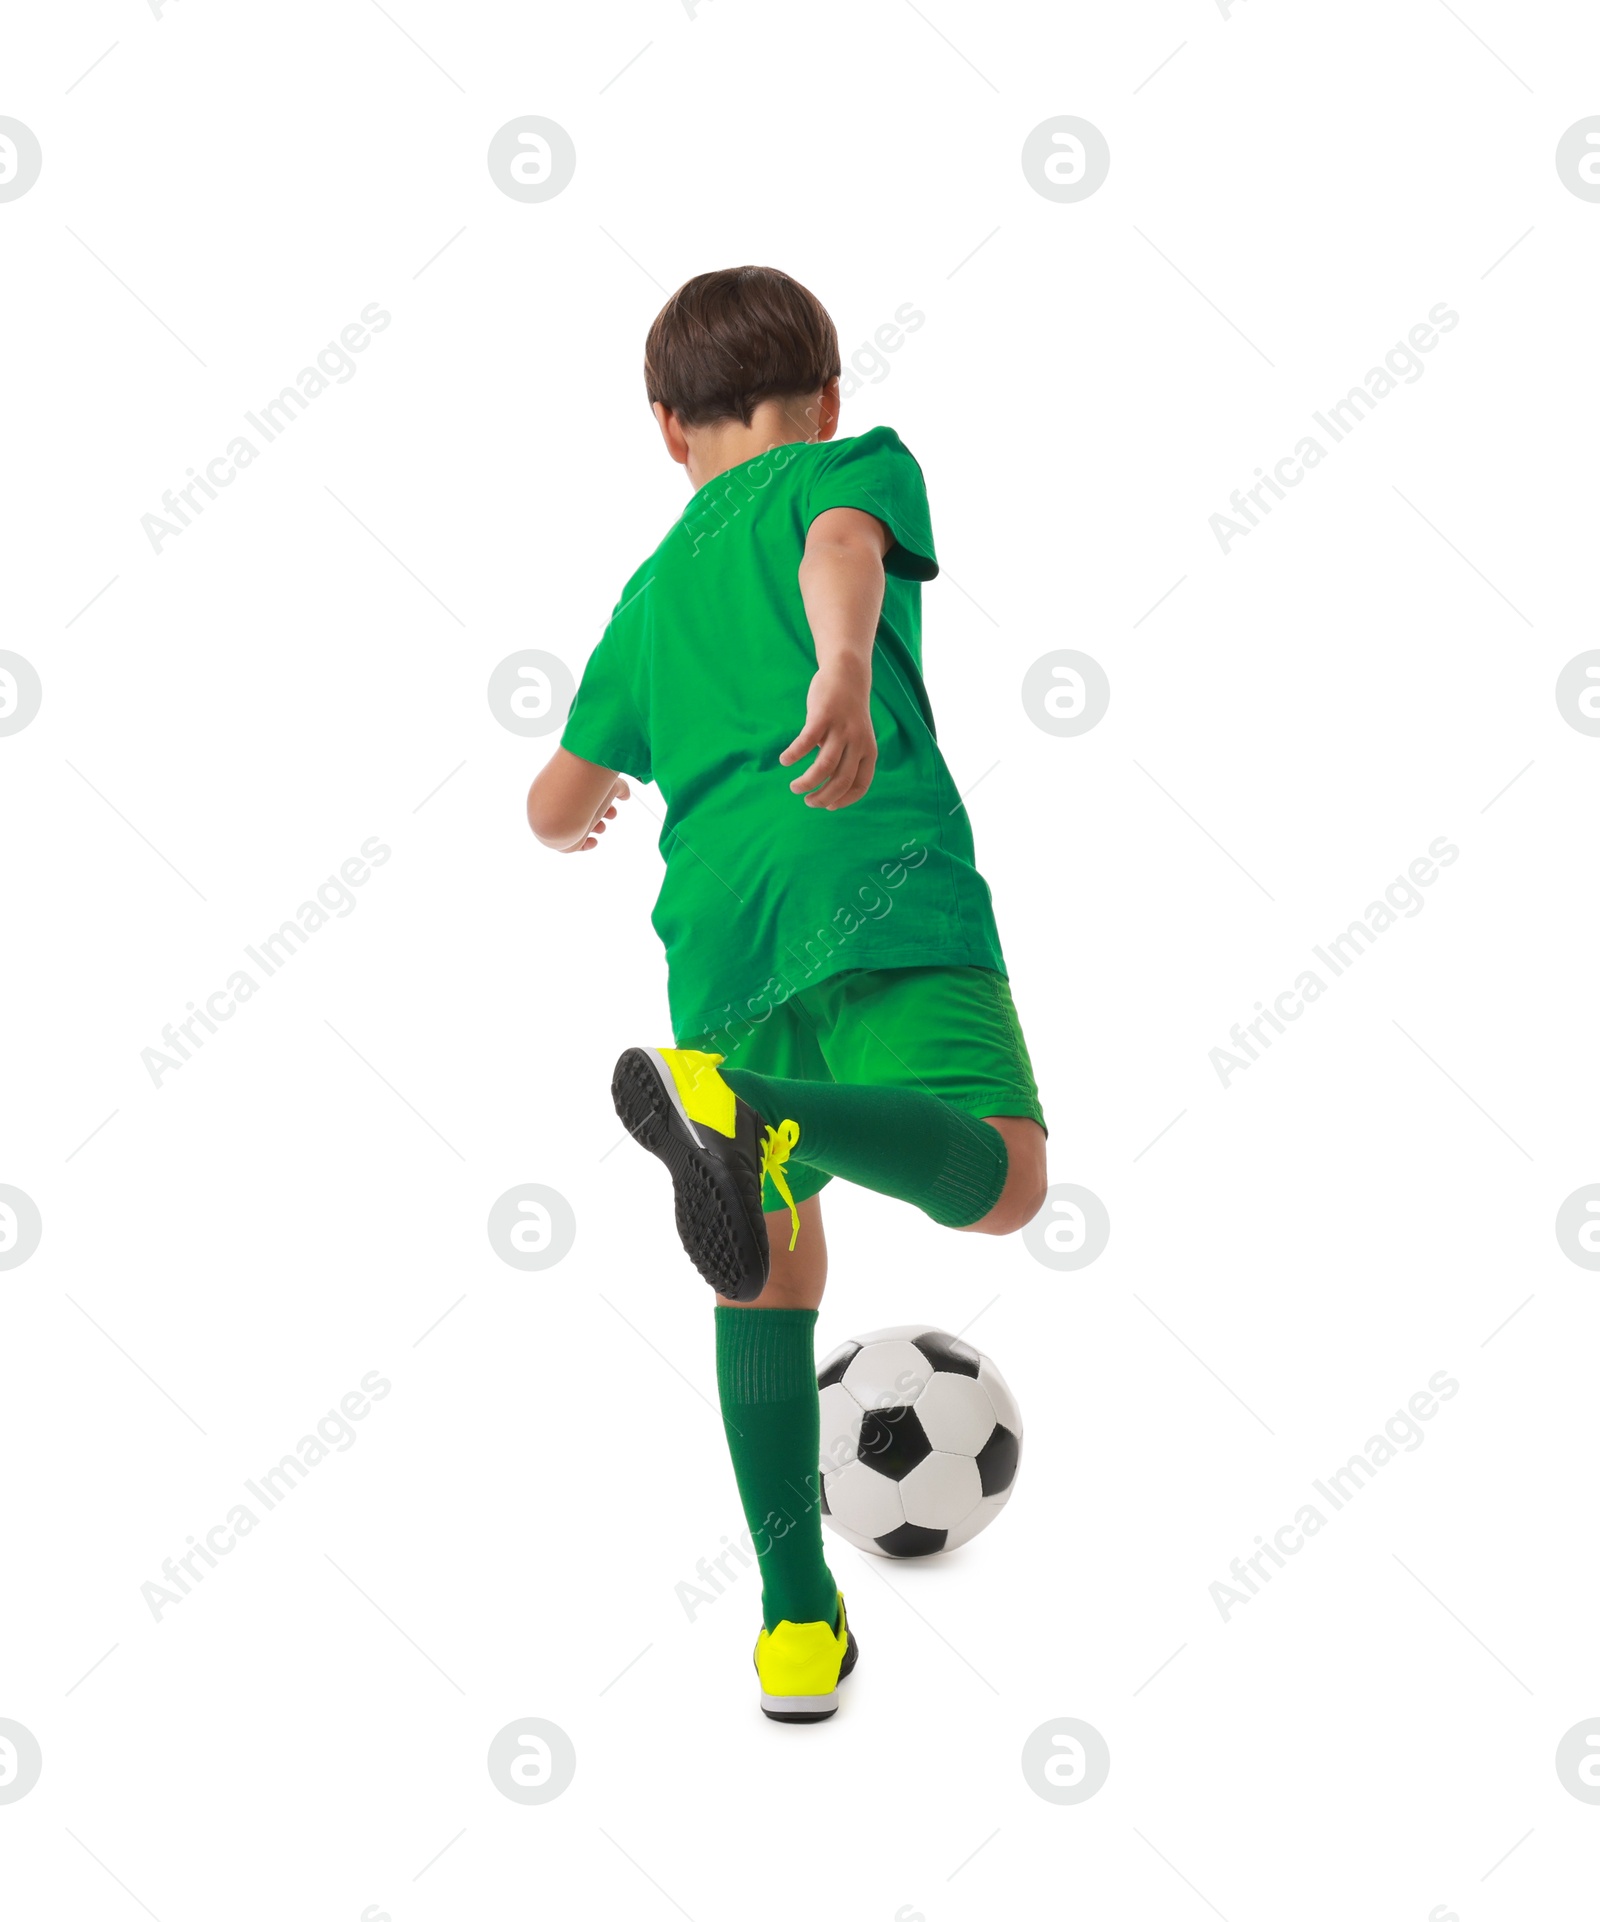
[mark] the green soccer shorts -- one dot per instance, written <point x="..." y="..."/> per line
<point x="951" y="1032"/>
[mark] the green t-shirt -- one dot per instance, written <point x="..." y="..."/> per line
<point x="699" y="683"/>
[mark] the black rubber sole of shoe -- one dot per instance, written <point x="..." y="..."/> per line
<point x="714" y="1219"/>
<point x="820" y="1715"/>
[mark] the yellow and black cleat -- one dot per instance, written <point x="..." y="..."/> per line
<point x="717" y="1149"/>
<point x="800" y="1666"/>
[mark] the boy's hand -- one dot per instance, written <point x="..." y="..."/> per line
<point x="839" y="726"/>
<point x="608" y="812"/>
<point x="597" y="827"/>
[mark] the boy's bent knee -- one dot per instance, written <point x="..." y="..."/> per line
<point x="1019" y="1202"/>
<point x="1023" y="1194"/>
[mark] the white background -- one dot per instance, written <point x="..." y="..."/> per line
<point x="304" y="1199"/>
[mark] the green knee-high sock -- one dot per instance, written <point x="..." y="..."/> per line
<point x="903" y="1143"/>
<point x="767" y="1383"/>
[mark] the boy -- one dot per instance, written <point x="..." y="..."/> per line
<point x="836" y="984"/>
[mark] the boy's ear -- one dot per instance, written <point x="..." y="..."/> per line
<point x="671" y="432"/>
<point x="828" y="410"/>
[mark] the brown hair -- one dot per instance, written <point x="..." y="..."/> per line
<point x="729" y="339"/>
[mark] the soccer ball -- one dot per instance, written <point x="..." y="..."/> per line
<point x="920" y="1441"/>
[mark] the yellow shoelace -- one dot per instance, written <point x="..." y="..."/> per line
<point x="774" y="1153"/>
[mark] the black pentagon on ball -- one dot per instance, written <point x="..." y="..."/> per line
<point x="822" y="1486"/>
<point x="908" y="1539"/>
<point x="997" y="1461"/>
<point x="892" y="1441"/>
<point x="947" y="1354"/>
<point x="833" y="1370"/>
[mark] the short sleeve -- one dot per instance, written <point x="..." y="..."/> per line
<point x="605" y="723"/>
<point x="877" y="474"/>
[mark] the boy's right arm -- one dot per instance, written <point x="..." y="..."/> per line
<point x="571" y="800"/>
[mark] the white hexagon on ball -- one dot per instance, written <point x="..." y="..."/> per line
<point x="941" y="1491"/>
<point x="888" y="1374"/>
<point x="954" y="1417"/>
<point x="862" y="1499"/>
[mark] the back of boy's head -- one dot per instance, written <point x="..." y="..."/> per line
<point x="731" y="339"/>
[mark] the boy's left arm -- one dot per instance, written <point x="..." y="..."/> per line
<point x="571" y="800"/>
<point x="841" y="584"/>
